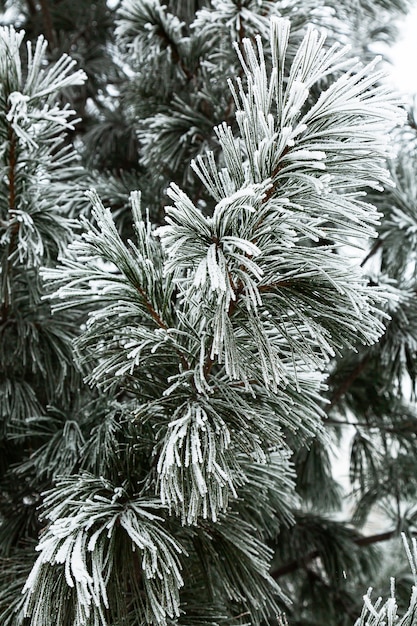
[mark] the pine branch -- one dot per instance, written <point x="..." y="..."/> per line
<point x="11" y="207"/>
<point x="372" y="251"/>
<point x="154" y="315"/>
<point x="347" y="383"/>
<point x="270" y="192"/>
<point x="237" y="290"/>
<point x="12" y="169"/>
<point x="176" y="57"/>
<point x="293" y="566"/>
<point x="159" y="321"/>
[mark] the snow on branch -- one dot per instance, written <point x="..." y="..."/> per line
<point x="224" y="322"/>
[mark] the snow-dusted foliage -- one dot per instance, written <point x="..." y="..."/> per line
<point x="220" y="325"/>
<point x="380" y="613"/>
<point x="172" y="362"/>
<point x="35" y="161"/>
<point x="80" y="539"/>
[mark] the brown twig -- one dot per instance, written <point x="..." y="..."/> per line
<point x="47" y="22"/>
<point x="372" y="251"/>
<point x="31" y="6"/>
<point x="12" y="169"/>
<point x="11" y="207"/>
<point x="232" y="308"/>
<point x="275" y="173"/>
<point x="239" y="289"/>
<point x="154" y="314"/>
<point x="159" y="321"/>
<point x="176" y="57"/>
<point x="293" y="566"/>
<point x="347" y="383"/>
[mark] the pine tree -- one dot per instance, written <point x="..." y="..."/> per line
<point x="175" y="368"/>
<point x="39" y="380"/>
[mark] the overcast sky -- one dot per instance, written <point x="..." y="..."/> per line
<point x="404" y="55"/>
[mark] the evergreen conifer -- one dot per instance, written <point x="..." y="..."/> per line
<point x="208" y="281"/>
